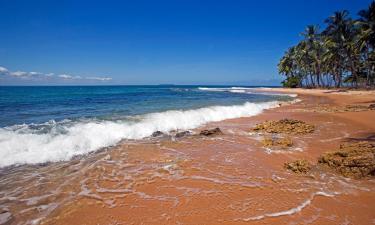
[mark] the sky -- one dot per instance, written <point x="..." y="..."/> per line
<point x="153" y="42"/>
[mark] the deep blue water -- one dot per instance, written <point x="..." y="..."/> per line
<point x="25" y="105"/>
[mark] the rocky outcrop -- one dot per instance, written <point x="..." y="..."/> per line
<point x="283" y="142"/>
<point x="355" y="160"/>
<point x="182" y="134"/>
<point x="211" y="132"/>
<point x="299" y="166"/>
<point x="346" y="108"/>
<point x="287" y="126"/>
<point x="157" y="134"/>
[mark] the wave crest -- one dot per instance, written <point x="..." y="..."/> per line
<point x="51" y="142"/>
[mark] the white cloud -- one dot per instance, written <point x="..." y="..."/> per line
<point x="69" y="77"/>
<point x="65" y="76"/>
<point x="99" y="78"/>
<point x="35" y="73"/>
<point x="39" y="75"/>
<point x="3" y="70"/>
<point x="19" y="74"/>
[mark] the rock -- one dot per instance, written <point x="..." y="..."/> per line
<point x="284" y="142"/>
<point x="354" y="160"/>
<point x="288" y="126"/>
<point x="346" y="108"/>
<point x="182" y="134"/>
<point x="215" y="131"/>
<point x="298" y="166"/>
<point x="157" y="134"/>
<point x="371" y="107"/>
<point x="267" y="142"/>
<point x="355" y="108"/>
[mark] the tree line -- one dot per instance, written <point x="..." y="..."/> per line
<point x="341" y="55"/>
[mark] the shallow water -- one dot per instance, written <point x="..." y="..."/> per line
<point x="225" y="179"/>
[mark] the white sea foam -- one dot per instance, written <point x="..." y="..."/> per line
<point x="233" y="89"/>
<point x="53" y="142"/>
<point x="291" y="211"/>
<point x="245" y="90"/>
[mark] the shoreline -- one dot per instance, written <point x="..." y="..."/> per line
<point x="226" y="179"/>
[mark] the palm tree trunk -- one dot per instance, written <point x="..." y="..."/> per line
<point x="338" y="79"/>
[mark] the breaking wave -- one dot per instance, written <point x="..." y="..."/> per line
<point x="244" y="90"/>
<point x="59" y="141"/>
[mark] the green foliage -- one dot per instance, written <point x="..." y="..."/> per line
<point x="291" y="82"/>
<point x="342" y="54"/>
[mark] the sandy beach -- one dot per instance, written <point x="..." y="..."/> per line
<point x="187" y="112"/>
<point x="230" y="178"/>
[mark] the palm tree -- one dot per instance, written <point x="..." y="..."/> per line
<point x="337" y="33"/>
<point x="315" y="49"/>
<point x="366" y="39"/>
<point x="343" y="54"/>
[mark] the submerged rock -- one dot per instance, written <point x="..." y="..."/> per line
<point x="288" y="126"/>
<point x="157" y="134"/>
<point x="215" y="131"/>
<point x="298" y="166"/>
<point x="277" y="142"/>
<point x="355" y="160"/>
<point x="183" y="134"/>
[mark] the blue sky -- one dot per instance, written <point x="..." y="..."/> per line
<point x="153" y="42"/>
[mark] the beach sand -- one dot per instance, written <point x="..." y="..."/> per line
<point x="222" y="179"/>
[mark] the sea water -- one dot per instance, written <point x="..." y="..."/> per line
<point x="48" y="124"/>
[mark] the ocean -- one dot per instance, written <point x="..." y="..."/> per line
<point x="49" y="124"/>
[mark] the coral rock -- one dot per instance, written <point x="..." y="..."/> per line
<point x="211" y="132"/>
<point x="355" y="160"/>
<point x="277" y="142"/>
<point x="298" y="166"/>
<point x="288" y="126"/>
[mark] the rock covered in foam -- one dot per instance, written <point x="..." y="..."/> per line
<point x="288" y="126"/>
<point x="298" y="166"/>
<point x="211" y="132"/>
<point x="355" y="160"/>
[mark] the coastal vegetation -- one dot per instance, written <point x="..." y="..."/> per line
<point x="340" y="55"/>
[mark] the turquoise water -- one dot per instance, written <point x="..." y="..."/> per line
<point x="41" y="124"/>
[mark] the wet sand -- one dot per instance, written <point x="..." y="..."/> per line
<point x="223" y="179"/>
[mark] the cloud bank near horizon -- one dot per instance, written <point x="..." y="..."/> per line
<point x="32" y="76"/>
